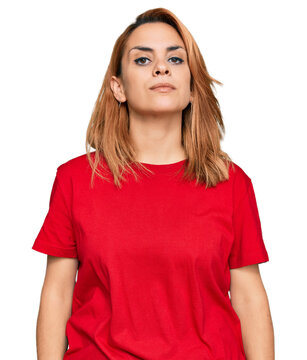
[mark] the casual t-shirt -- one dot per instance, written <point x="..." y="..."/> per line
<point x="154" y="261"/>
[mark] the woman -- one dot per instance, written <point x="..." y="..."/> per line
<point x="169" y="226"/>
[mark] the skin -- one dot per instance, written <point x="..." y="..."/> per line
<point x="250" y="302"/>
<point x="155" y="127"/>
<point x="155" y="117"/>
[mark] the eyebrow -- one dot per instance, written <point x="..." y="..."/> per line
<point x="145" y="48"/>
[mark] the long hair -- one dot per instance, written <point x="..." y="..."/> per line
<point x="202" y="123"/>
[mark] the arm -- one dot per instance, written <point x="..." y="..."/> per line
<point x="250" y="302"/>
<point x="55" y="307"/>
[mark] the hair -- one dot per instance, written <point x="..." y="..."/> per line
<point x="202" y="123"/>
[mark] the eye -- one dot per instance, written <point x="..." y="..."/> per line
<point x="137" y="60"/>
<point x="144" y="58"/>
<point x="175" y="57"/>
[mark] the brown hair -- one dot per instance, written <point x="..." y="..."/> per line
<point x="202" y="123"/>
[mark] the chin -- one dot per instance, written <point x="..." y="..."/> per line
<point x="166" y="109"/>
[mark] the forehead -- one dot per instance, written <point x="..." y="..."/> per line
<point x="157" y="36"/>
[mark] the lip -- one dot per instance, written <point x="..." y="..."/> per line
<point x="163" y="89"/>
<point x="164" y="86"/>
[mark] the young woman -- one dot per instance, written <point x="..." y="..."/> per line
<point x="158" y="223"/>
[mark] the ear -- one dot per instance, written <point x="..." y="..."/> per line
<point x="117" y="89"/>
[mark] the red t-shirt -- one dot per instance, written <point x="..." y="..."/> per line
<point x="154" y="260"/>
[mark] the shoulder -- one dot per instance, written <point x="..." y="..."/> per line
<point x="239" y="179"/>
<point x="236" y="173"/>
<point x="240" y="182"/>
<point x="75" y="164"/>
<point x="74" y="170"/>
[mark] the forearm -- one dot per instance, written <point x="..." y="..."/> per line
<point x="257" y="328"/>
<point x="53" y="314"/>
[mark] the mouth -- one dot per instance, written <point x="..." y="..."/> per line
<point x="163" y="89"/>
<point x="164" y="86"/>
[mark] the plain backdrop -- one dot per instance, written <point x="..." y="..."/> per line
<point x="54" y="55"/>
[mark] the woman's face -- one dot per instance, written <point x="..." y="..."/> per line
<point x="142" y="69"/>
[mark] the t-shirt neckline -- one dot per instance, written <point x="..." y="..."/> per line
<point x="164" y="168"/>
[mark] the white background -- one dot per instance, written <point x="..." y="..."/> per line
<point x="54" y="57"/>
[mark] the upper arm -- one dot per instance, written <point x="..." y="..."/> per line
<point x="60" y="275"/>
<point x="57" y="236"/>
<point x="248" y="246"/>
<point x="246" y="284"/>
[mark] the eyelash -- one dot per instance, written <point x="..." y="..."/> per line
<point x="143" y="57"/>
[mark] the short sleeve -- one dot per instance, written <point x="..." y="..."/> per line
<point x="248" y="245"/>
<point x="56" y="236"/>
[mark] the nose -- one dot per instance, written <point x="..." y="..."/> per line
<point x="161" y="68"/>
<point x="161" y="71"/>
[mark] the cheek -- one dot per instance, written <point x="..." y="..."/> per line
<point x="183" y="77"/>
<point x="135" y="85"/>
<point x="185" y="88"/>
<point x="188" y="79"/>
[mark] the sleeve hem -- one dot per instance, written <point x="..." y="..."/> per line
<point x="54" y="251"/>
<point x="249" y="262"/>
